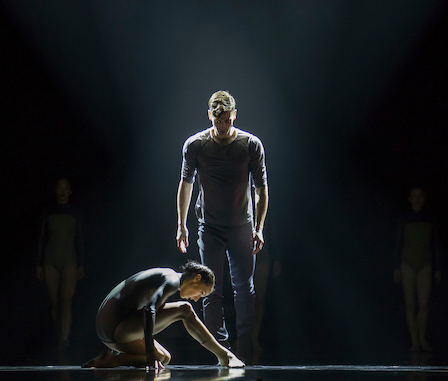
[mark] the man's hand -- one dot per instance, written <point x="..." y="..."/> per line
<point x="257" y="241"/>
<point x="183" y="202"/>
<point x="182" y="238"/>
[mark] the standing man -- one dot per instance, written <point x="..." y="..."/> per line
<point x="227" y="161"/>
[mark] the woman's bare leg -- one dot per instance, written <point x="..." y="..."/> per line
<point x="51" y="276"/>
<point x="68" y="281"/>
<point x="127" y="354"/>
<point x="423" y="293"/>
<point x="52" y="279"/>
<point x="100" y="361"/>
<point x="129" y="348"/>
<point x="409" y="281"/>
<point x="61" y="287"/>
<point x="133" y="351"/>
<point x="183" y="311"/>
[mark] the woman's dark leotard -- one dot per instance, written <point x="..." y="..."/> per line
<point x="147" y="291"/>
<point x="61" y="239"/>
<point x="417" y="241"/>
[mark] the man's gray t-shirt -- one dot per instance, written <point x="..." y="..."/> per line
<point x="224" y="174"/>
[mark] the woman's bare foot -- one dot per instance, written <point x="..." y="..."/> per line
<point x="100" y="361"/>
<point x="231" y="361"/>
<point x="425" y="346"/>
<point x="415" y="347"/>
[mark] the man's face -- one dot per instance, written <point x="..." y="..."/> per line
<point x="224" y="123"/>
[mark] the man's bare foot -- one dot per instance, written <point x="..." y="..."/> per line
<point x="100" y="361"/>
<point x="231" y="361"/>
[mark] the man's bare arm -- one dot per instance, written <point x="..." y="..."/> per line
<point x="261" y="208"/>
<point x="183" y="204"/>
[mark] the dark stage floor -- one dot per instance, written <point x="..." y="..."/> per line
<point x="214" y="373"/>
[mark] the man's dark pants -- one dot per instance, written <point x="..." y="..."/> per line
<point x="215" y="244"/>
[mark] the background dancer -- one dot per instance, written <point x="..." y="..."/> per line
<point x="418" y="253"/>
<point x="60" y="257"/>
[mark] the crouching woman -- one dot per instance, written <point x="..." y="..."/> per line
<point x="136" y="309"/>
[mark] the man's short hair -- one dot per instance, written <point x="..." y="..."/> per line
<point x="221" y="102"/>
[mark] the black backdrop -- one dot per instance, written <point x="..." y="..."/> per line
<point x="349" y="98"/>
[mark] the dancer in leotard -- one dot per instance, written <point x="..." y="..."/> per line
<point x="417" y="253"/>
<point x="60" y="255"/>
<point x="136" y="309"/>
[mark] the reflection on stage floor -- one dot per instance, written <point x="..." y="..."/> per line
<point x="214" y="373"/>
